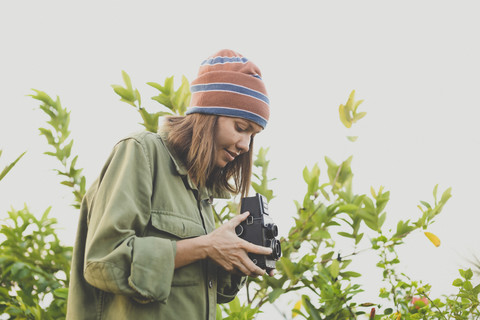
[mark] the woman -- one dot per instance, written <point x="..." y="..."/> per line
<point x="146" y="246"/>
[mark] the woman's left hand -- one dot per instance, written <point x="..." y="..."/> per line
<point x="231" y="252"/>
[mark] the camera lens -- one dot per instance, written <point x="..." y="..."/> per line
<point x="276" y="248"/>
<point x="272" y="230"/>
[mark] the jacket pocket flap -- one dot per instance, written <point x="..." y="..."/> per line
<point x="176" y="225"/>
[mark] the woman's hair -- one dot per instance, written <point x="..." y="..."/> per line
<point x="192" y="138"/>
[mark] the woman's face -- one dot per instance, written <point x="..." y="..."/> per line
<point x="232" y="138"/>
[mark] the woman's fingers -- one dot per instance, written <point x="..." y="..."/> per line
<point x="249" y="268"/>
<point x="250" y="247"/>
<point x="235" y="221"/>
<point x="231" y="252"/>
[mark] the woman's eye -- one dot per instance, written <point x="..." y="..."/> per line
<point x="240" y="129"/>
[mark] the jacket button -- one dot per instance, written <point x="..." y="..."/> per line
<point x="210" y="284"/>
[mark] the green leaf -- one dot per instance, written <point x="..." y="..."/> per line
<point x="150" y="121"/>
<point x="468" y="274"/>
<point x="42" y="96"/>
<point x="277" y="292"/>
<point x="132" y="103"/>
<point x="123" y="93"/>
<point x="334" y="268"/>
<point x="349" y="208"/>
<point x="138" y="97"/>
<point x="388" y="311"/>
<point x="467" y="285"/>
<point x="10" y="166"/>
<point x="219" y="313"/>
<point x="288" y="267"/>
<point x="182" y="97"/>
<point x="352" y="138"/>
<point x="168" y="85"/>
<point x="235" y="305"/>
<point x="61" y="293"/>
<point x="68" y="149"/>
<point x="327" y="256"/>
<point x="156" y="86"/>
<point x="345" y="234"/>
<point x="306" y="175"/>
<point x="126" y="79"/>
<point x="446" y="195"/>
<point x="68" y="183"/>
<point x="381" y="220"/>
<point x="321" y="234"/>
<point x="164" y="100"/>
<point x="48" y="135"/>
<point x="426" y="204"/>
<point x="358" y="238"/>
<point x="476" y="290"/>
<point x="325" y="194"/>
<point x="310" y="308"/>
<point x="350" y="274"/>
<point x="457" y="282"/>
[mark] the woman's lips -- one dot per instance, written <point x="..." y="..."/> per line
<point x="231" y="155"/>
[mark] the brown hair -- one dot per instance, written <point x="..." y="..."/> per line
<point x="192" y="138"/>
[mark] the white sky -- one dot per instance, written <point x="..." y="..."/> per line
<point x="415" y="63"/>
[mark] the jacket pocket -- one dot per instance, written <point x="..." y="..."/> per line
<point x="175" y="224"/>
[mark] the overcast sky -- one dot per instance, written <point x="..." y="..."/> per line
<point x="415" y="63"/>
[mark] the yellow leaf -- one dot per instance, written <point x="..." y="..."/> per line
<point x="344" y="116"/>
<point x="297" y="306"/>
<point x="372" y="191"/>
<point x="433" y="238"/>
<point x="350" y="100"/>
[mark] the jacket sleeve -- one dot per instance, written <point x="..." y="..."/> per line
<point x="118" y="258"/>
<point x="228" y="285"/>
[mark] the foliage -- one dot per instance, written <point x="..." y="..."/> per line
<point x="34" y="267"/>
<point x="9" y="166"/>
<point x="236" y="311"/>
<point x="348" y="112"/>
<point x="313" y="268"/>
<point x="58" y="139"/>
<point x="311" y="261"/>
<point x="416" y="303"/>
<point x="174" y="100"/>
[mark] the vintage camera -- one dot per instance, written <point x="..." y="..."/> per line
<point x="259" y="229"/>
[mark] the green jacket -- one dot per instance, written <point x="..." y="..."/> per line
<point x="130" y="220"/>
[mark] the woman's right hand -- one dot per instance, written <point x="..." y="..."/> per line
<point x="231" y="252"/>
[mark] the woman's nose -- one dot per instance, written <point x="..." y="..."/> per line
<point x="243" y="144"/>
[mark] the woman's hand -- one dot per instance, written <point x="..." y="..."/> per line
<point x="230" y="251"/>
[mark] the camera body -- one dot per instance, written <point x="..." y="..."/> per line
<point x="260" y="229"/>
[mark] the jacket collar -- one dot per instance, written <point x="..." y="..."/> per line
<point x="204" y="193"/>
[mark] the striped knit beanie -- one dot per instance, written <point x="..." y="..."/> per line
<point x="228" y="84"/>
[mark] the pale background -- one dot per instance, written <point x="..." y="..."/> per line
<point x="415" y="63"/>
